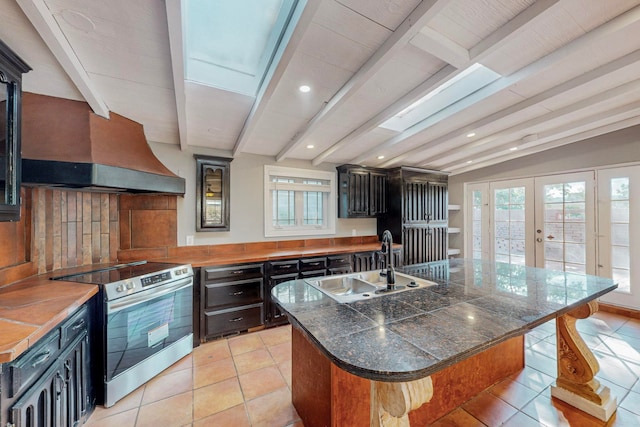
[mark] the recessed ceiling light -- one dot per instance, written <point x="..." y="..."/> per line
<point x="471" y="134"/>
<point x="304" y="89"/>
<point x="380" y="157"/>
<point x="310" y="146"/>
<point x="469" y="161"/>
<point x="513" y="148"/>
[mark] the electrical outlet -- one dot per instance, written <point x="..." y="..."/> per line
<point x="190" y="240"/>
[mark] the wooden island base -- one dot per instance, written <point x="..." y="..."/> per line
<point x="325" y="395"/>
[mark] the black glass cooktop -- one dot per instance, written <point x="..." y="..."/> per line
<point x="117" y="272"/>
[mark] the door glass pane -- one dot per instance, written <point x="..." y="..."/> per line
<point x="476" y="231"/>
<point x="564" y="226"/>
<point x="620" y="252"/>
<point x="509" y="226"/>
<point x="213" y="213"/>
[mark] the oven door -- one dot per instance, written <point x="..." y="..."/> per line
<point x="143" y="324"/>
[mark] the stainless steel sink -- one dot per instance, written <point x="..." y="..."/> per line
<point x="365" y="284"/>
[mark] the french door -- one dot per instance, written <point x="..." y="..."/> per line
<point x="565" y="222"/>
<point x="618" y="236"/>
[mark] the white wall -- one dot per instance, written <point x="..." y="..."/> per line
<point x="247" y="203"/>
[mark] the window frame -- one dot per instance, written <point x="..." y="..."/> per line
<point x="329" y="211"/>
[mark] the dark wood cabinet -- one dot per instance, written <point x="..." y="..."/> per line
<point x="279" y="272"/>
<point x="231" y="299"/>
<point x="50" y="384"/>
<point x="417" y="214"/>
<point x="213" y="178"/>
<point x="362" y="192"/>
<point x="11" y="69"/>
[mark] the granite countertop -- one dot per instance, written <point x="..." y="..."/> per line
<point x="32" y="307"/>
<point x="409" y="335"/>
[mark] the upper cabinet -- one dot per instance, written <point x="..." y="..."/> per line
<point x="362" y="191"/>
<point x="11" y="70"/>
<point x="212" y="193"/>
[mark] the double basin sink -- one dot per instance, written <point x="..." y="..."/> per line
<point x="353" y="287"/>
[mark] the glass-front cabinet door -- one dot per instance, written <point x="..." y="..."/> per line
<point x="212" y="193"/>
<point x="11" y="69"/>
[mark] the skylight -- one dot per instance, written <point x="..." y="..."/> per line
<point x="464" y="84"/>
<point x="230" y="44"/>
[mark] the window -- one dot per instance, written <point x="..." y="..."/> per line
<point x="298" y="202"/>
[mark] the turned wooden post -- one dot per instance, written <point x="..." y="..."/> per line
<point x="577" y="367"/>
<point x="392" y="402"/>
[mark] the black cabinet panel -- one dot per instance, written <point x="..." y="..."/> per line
<point x="307" y="264"/>
<point x="362" y="191"/>
<point x="231" y="320"/>
<point x="417" y="214"/>
<point x="50" y="384"/>
<point x="230" y="289"/>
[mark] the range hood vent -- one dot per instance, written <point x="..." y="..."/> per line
<point x="64" y="144"/>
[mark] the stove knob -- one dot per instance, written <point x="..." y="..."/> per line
<point x="120" y="288"/>
<point x="130" y="286"/>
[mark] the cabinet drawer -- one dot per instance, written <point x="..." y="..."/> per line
<point x="313" y="273"/>
<point x="338" y="260"/>
<point x="239" y="293"/>
<point x="30" y="365"/>
<point x="221" y="322"/>
<point x="313" y="264"/>
<point x="231" y="273"/>
<point x="277" y="268"/>
<point x="74" y="326"/>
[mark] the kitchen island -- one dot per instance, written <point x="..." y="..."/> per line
<point x="379" y="361"/>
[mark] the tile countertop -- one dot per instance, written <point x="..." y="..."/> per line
<point x="412" y="334"/>
<point x="32" y="307"/>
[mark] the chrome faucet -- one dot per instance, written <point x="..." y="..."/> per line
<point x="387" y="250"/>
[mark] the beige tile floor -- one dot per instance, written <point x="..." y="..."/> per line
<point x="245" y="381"/>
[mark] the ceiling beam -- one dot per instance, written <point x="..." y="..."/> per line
<point x="417" y="19"/>
<point x="432" y="82"/>
<point x="612" y="127"/>
<point x="45" y="24"/>
<point x="303" y="15"/>
<point x="567" y="129"/>
<point x="584" y="41"/>
<point x="522" y="127"/>
<point x="586" y="78"/>
<point x="176" y="44"/>
<point x="441" y="47"/>
<point x="502" y="35"/>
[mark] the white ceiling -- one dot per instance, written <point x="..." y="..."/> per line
<point x="569" y="72"/>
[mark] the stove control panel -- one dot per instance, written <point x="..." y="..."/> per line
<point x="156" y="278"/>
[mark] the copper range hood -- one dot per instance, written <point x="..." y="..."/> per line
<point x="64" y="144"/>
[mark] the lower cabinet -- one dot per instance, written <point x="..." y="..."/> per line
<point x="49" y="385"/>
<point x="237" y="297"/>
<point x="231" y="299"/>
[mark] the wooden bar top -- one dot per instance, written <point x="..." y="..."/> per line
<point x="32" y="307"/>
<point x="205" y="260"/>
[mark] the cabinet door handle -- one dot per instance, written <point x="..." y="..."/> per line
<point x="237" y="272"/>
<point x="314" y="263"/>
<point x="237" y="319"/>
<point x="42" y="357"/>
<point x="286" y="266"/>
<point x="235" y="294"/>
<point x="78" y="325"/>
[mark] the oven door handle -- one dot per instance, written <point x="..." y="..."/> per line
<point x="139" y="298"/>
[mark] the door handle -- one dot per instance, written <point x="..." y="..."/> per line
<point x="539" y="239"/>
<point x="550" y="237"/>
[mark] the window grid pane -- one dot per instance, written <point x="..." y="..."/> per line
<point x="313" y="208"/>
<point x="565" y="227"/>
<point x="476" y="231"/>
<point x="283" y="208"/>
<point x="509" y="212"/>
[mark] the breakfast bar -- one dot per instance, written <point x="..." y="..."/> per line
<point x="413" y="355"/>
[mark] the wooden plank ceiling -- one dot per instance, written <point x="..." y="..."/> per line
<point x="568" y="71"/>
